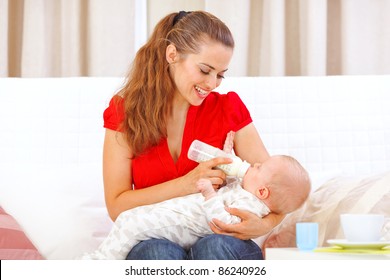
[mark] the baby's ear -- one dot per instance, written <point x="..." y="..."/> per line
<point x="262" y="192"/>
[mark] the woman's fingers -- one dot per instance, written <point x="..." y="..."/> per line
<point x="247" y="229"/>
<point x="218" y="161"/>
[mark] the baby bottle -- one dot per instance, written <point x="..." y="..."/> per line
<point x="200" y="151"/>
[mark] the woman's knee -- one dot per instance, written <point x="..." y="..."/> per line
<point x="224" y="247"/>
<point x="157" y="249"/>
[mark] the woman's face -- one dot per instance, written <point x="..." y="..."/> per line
<point x="196" y="75"/>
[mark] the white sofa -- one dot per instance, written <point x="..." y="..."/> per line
<point x="52" y="135"/>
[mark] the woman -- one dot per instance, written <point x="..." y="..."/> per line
<point x="166" y="103"/>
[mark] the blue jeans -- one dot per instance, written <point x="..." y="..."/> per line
<point x="211" y="247"/>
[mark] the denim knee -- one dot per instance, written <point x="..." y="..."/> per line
<point x="157" y="249"/>
<point x="224" y="247"/>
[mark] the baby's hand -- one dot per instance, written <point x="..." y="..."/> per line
<point x="206" y="188"/>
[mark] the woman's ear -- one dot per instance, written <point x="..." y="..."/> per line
<point x="171" y="54"/>
<point x="262" y="192"/>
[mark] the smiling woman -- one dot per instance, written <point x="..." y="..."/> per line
<point x="202" y="71"/>
<point x="167" y="102"/>
<point x="181" y="44"/>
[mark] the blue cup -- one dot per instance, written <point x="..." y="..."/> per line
<point x="307" y="236"/>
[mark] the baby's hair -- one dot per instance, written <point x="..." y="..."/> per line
<point x="291" y="187"/>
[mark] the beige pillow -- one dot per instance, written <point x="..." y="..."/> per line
<point x="324" y="206"/>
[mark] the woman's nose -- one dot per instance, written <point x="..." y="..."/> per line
<point x="211" y="82"/>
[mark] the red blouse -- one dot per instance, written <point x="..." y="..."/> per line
<point x="209" y="122"/>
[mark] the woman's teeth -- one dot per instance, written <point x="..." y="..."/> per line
<point x="201" y="91"/>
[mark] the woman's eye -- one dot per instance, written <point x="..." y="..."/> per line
<point x="204" y="72"/>
<point x="207" y="72"/>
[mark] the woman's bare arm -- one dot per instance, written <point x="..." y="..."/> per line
<point x="249" y="146"/>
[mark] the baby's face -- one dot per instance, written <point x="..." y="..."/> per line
<point x="256" y="176"/>
<point x="260" y="174"/>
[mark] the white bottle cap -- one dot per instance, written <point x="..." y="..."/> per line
<point x="243" y="169"/>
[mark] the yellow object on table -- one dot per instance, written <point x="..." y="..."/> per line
<point x="336" y="249"/>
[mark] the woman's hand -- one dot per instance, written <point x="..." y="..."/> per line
<point x="206" y="170"/>
<point x="251" y="225"/>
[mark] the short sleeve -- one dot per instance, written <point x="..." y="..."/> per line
<point x="238" y="115"/>
<point x="114" y="113"/>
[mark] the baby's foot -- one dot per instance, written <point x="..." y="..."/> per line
<point x="206" y="188"/>
<point x="228" y="145"/>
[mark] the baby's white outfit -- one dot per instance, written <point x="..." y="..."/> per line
<point x="182" y="220"/>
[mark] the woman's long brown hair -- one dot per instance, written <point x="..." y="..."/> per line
<point x="149" y="90"/>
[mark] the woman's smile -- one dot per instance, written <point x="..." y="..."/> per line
<point x="202" y="93"/>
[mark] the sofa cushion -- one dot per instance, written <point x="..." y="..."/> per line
<point x="324" y="206"/>
<point x="60" y="208"/>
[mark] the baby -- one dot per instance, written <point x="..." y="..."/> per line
<point x="280" y="185"/>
